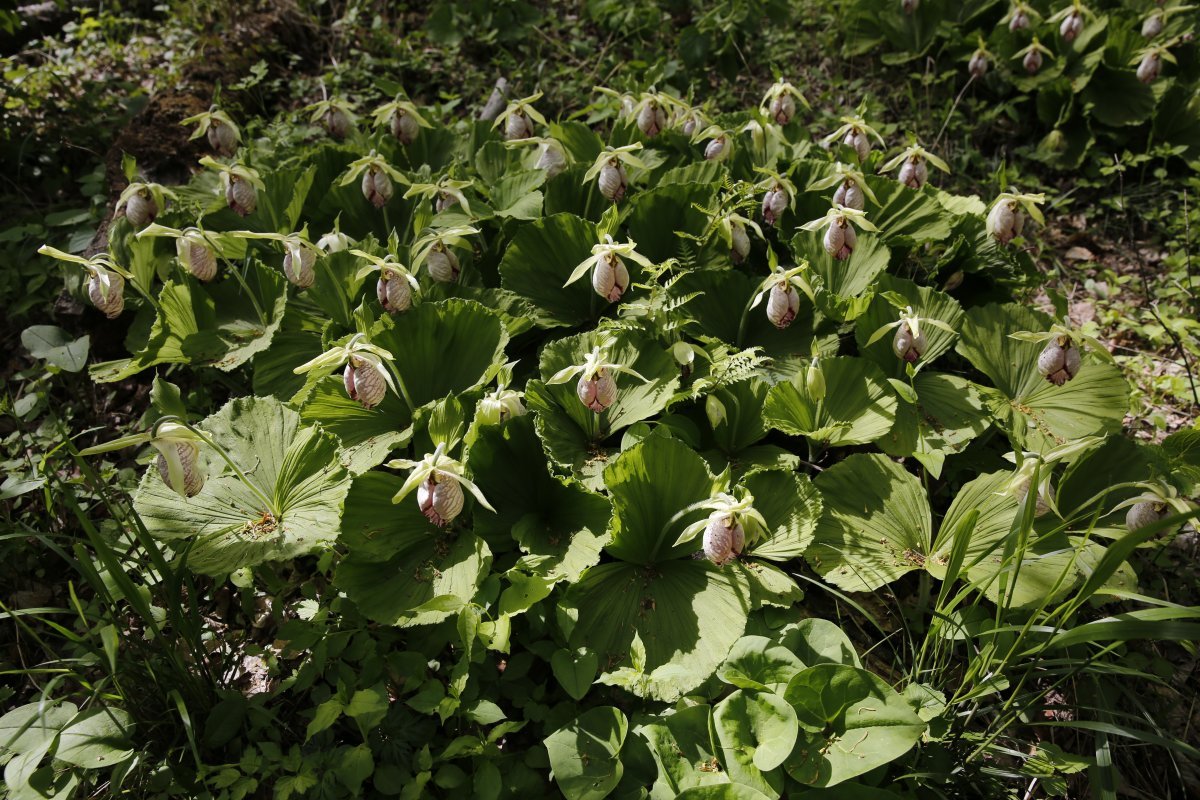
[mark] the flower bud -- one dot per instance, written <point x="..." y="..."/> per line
<point x="1059" y="361"/>
<point x="140" y="209"/>
<point x="1152" y="26"/>
<point x="739" y="241"/>
<point x="197" y="257"/>
<point x="840" y="239"/>
<point x="717" y="149"/>
<point x="858" y="140"/>
<point x="1032" y="61"/>
<point x="775" y="201"/>
<point x="187" y="457"/>
<point x="714" y="409"/>
<point x="442" y="264"/>
<point x="850" y="195"/>
<point x="440" y="498"/>
<point x="1071" y="26"/>
<point x="221" y="138"/>
<point x="978" y="65"/>
<point x="814" y="381"/>
<point x="394" y="291"/>
<point x="1143" y="514"/>
<point x="364" y="382"/>
<point x="444" y="200"/>
<point x="909" y="6"/>
<point x="334" y="242"/>
<point x="241" y="196"/>
<point x="610" y="278"/>
<point x="1002" y="221"/>
<point x="597" y="392"/>
<point x="517" y="126"/>
<point x="723" y="538"/>
<point x="914" y="172"/>
<point x="377" y="187"/>
<point x="652" y="119"/>
<point x="1148" y="69"/>
<point x="689" y="125"/>
<point x="613" y="180"/>
<point x="301" y="275"/>
<point x="404" y="127"/>
<point x="1041" y="507"/>
<point x="1019" y="22"/>
<point x="337" y="123"/>
<point x="782" y="304"/>
<point x="112" y="302"/>
<point x="783" y="108"/>
<point x="551" y="160"/>
<point x="500" y="406"/>
<point x="908" y="347"/>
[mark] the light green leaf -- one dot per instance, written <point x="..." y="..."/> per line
<point x="688" y="613"/>
<point x="96" y="738"/>
<point x="1037" y="414"/>
<point x="226" y="525"/>
<point x="538" y="261"/>
<point x="585" y="753"/>
<point x="575" y="671"/>
<point x="876" y="523"/>
<point x="756" y="731"/>
<point x="401" y="569"/>
<point x="53" y="344"/>
<point x="859" y="405"/>
<point x="755" y="662"/>
<point x="851" y="722"/>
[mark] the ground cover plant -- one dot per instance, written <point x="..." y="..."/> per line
<point x="640" y="443"/>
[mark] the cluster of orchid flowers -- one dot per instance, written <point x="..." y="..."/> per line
<point x="1071" y="21"/>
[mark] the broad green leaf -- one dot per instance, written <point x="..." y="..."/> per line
<point x="911" y="215"/>
<point x="755" y="662"/>
<point x="516" y="195"/>
<point x="1115" y="97"/>
<point x="876" y="523"/>
<point x="791" y="505"/>
<point x="756" y="731"/>
<point x="226" y="526"/>
<point x="27" y="727"/>
<point x="644" y="527"/>
<point x="722" y="791"/>
<point x="688" y="613"/>
<point x="540" y="258"/>
<point x="926" y="303"/>
<point x="585" y="754"/>
<point x="574" y="671"/>
<point x="722" y="309"/>
<point x="949" y="414"/>
<point x="368" y="435"/>
<point x="858" y="407"/>
<point x="54" y="345"/>
<point x="577" y="431"/>
<point x="442" y="348"/>
<point x="220" y="325"/>
<point x="99" y="737"/>
<point x="1037" y="414"/>
<point x="741" y="422"/>
<point x="683" y="748"/>
<point x="401" y="569"/>
<point x="657" y="215"/>
<point x="559" y="526"/>
<point x="997" y="513"/>
<point x="851" y="722"/>
<point x="844" y="282"/>
<point x="1046" y="572"/>
<point x="818" y="641"/>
